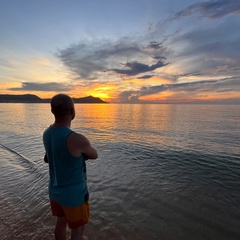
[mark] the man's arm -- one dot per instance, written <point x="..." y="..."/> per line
<point x="87" y="149"/>
<point x="78" y="144"/>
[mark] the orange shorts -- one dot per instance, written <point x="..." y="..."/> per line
<point x="75" y="216"/>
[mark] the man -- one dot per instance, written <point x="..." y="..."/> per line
<point x="66" y="152"/>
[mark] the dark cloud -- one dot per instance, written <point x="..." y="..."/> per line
<point x="170" y="77"/>
<point x="154" y="45"/>
<point x="146" y="77"/>
<point x="129" y="96"/>
<point x="213" y="50"/>
<point x="159" y="58"/>
<point x="224" y="85"/>
<point x="213" y="9"/>
<point x="91" y="60"/>
<point x="209" y="9"/>
<point x="80" y="61"/>
<point x="52" y="86"/>
<point x="216" y="9"/>
<point x="209" y="49"/>
<point x="134" y="68"/>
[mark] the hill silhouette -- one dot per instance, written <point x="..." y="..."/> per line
<point x="30" y="98"/>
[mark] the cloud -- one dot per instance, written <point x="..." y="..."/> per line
<point x="209" y="9"/>
<point x="51" y="86"/>
<point x="209" y="50"/>
<point x="91" y="60"/>
<point x="181" y="52"/>
<point x="146" y="76"/>
<point x="135" y="68"/>
<point x="154" y="45"/>
<point x="223" y="85"/>
<point x="215" y="9"/>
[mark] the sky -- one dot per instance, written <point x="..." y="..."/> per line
<point x="128" y="51"/>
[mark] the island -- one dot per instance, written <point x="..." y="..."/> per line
<point x="30" y="98"/>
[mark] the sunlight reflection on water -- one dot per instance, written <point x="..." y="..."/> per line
<point x="164" y="171"/>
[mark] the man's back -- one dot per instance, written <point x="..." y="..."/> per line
<point x="67" y="184"/>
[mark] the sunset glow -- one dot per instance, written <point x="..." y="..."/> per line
<point x="163" y="51"/>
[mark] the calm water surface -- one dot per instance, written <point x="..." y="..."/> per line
<point x="164" y="172"/>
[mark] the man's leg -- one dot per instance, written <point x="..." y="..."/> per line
<point x="77" y="233"/>
<point x="61" y="229"/>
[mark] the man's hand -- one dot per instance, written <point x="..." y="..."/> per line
<point x="45" y="158"/>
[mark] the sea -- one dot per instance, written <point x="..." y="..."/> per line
<point x="164" y="172"/>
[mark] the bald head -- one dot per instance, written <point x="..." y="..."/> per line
<point x="62" y="105"/>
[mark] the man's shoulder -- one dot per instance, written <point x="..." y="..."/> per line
<point x="76" y="137"/>
<point x="76" y="134"/>
<point x="46" y="130"/>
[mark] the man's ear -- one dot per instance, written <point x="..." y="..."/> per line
<point x="73" y="113"/>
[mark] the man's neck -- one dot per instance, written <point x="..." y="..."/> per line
<point x="60" y="123"/>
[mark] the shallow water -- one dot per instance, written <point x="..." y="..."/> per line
<point x="164" y="171"/>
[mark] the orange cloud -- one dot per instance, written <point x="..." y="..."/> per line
<point x="159" y="97"/>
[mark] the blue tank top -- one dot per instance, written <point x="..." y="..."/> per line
<point x="68" y="180"/>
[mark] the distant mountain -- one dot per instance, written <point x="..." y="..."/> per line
<point x="88" y="99"/>
<point x="30" y="98"/>
<point x="19" y="98"/>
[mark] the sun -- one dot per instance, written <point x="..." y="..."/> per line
<point x="103" y="96"/>
<point x="104" y="92"/>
